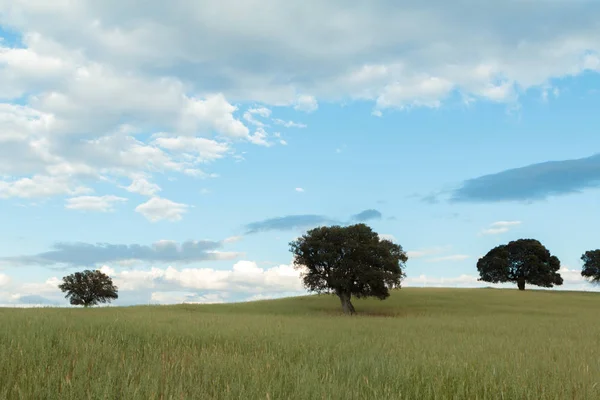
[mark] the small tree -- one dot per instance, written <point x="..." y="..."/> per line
<point x="591" y="266"/>
<point x="88" y="288"/>
<point x="521" y="261"/>
<point x="349" y="261"/>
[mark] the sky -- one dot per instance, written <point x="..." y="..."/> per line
<point x="179" y="147"/>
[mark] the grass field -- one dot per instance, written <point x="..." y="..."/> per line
<point x="418" y="344"/>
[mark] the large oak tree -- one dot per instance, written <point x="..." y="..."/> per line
<point x="349" y="261"/>
<point x="520" y="261"/>
<point x="88" y="288"/>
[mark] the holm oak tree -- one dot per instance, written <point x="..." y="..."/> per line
<point x="349" y="261"/>
<point x="88" y="288"/>
<point x="591" y="265"/>
<point x="520" y="261"/>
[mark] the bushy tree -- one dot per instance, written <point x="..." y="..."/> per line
<point x="349" y="261"/>
<point x="520" y="261"/>
<point x="591" y="266"/>
<point x="88" y="288"/>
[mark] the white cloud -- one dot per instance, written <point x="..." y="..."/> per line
<point x="288" y="124"/>
<point x="391" y="238"/>
<point x="80" y="121"/>
<point x="89" y="102"/>
<point x="94" y="203"/>
<point x="412" y="254"/>
<point x="233" y="239"/>
<point x="142" y="186"/>
<point x="4" y="280"/>
<point x="157" y="209"/>
<point x="500" y="227"/>
<point x="299" y="60"/>
<point x="571" y="275"/>
<point x="306" y="103"/>
<point x="260" y="111"/>
<point x="453" y="257"/>
<point x="204" y="149"/>
<point x="299" y="190"/>
<point x="48" y="287"/>
<point x="40" y="186"/>
<point x="426" y="91"/>
<point x="259" y="138"/>
<point x="244" y="276"/>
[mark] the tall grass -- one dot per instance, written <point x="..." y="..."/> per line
<point x="419" y="344"/>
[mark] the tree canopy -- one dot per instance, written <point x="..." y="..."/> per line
<point x="88" y="288"/>
<point x="520" y="261"/>
<point x="591" y="265"/>
<point x="349" y="261"/>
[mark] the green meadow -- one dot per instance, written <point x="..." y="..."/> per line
<point x="418" y="344"/>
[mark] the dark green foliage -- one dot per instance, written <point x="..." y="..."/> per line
<point x="349" y="261"/>
<point x="591" y="266"/>
<point x="520" y="261"/>
<point x="88" y="288"/>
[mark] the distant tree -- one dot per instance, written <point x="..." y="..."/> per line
<point x="591" y="266"/>
<point x="88" y="288"/>
<point x="521" y="261"/>
<point x="349" y="261"/>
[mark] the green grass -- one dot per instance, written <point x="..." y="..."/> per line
<point x="418" y="344"/>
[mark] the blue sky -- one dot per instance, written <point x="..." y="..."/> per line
<point x="183" y="166"/>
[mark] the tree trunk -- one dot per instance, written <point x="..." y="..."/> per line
<point x="521" y="283"/>
<point x="347" y="306"/>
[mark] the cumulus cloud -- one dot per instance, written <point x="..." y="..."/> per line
<point x="571" y="276"/>
<point x="157" y="209"/>
<point x="306" y="103"/>
<point x="412" y="254"/>
<point x="4" y="280"/>
<point x="94" y="203"/>
<point x="251" y="114"/>
<point x="386" y="236"/>
<point x="314" y="50"/>
<point x="452" y="257"/>
<point x="533" y="182"/>
<point x="243" y="277"/>
<point x="233" y="239"/>
<point x="165" y="251"/>
<point x="80" y="124"/>
<point x="68" y="115"/>
<point x="141" y="185"/>
<point x="39" y="186"/>
<point x="500" y="227"/>
<point x="288" y="124"/>
<point x="204" y="149"/>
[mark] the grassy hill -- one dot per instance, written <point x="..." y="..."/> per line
<point x="418" y="344"/>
